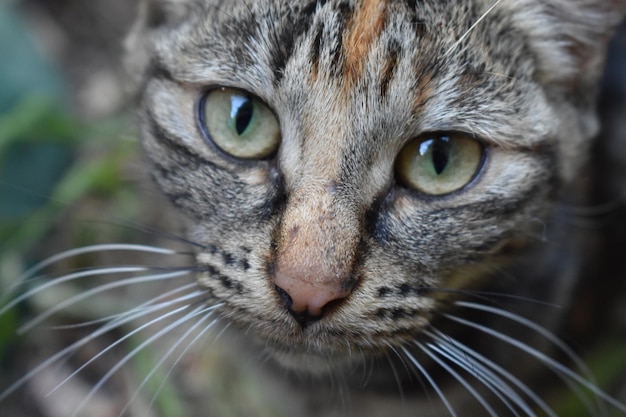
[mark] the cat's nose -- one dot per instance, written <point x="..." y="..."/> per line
<point x="316" y="247"/>
<point x="308" y="302"/>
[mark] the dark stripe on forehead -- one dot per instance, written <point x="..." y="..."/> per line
<point x="294" y="23"/>
<point x="330" y="39"/>
<point x="274" y="27"/>
<point x="393" y="50"/>
<point x="316" y="48"/>
<point x="283" y="36"/>
<point x="411" y="4"/>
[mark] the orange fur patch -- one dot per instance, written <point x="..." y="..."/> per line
<point x="366" y="25"/>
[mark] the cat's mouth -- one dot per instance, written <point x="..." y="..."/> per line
<point x="312" y="359"/>
<point x="312" y="363"/>
<point x="334" y="342"/>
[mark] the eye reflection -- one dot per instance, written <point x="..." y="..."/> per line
<point x="239" y="124"/>
<point x="439" y="164"/>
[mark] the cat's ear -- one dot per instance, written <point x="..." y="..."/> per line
<point x="153" y="16"/>
<point x="570" y="37"/>
<point x="569" y="40"/>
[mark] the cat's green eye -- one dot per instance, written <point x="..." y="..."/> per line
<point x="439" y="164"/>
<point x="239" y="124"/>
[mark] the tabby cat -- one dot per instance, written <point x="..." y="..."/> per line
<point x="374" y="190"/>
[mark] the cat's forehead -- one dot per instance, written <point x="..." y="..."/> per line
<point x="349" y="32"/>
<point x="393" y="59"/>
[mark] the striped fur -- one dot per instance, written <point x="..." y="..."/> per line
<point x="352" y="82"/>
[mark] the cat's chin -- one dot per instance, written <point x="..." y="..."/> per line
<point x="313" y="364"/>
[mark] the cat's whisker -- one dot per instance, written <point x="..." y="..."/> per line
<point x="394" y="371"/>
<point x="469" y="31"/>
<point x="368" y="369"/>
<point x="107" y="327"/>
<point x="488" y="295"/>
<point x="408" y="369"/>
<point x="200" y="335"/>
<point x="167" y="354"/>
<point x="152" y="232"/>
<point x="503" y="392"/>
<point x="571" y="385"/>
<point x="461" y="350"/>
<point x="594" y="405"/>
<point x="552" y="364"/>
<point x="349" y="348"/>
<point x="430" y="380"/>
<point x="341" y="390"/>
<point x="494" y="383"/>
<point x="119" y="341"/>
<point x="29" y="275"/>
<point x="98" y="290"/>
<point x="551" y="337"/>
<point x="531" y="325"/>
<point x="194" y="313"/>
<point x="71" y="277"/>
<point x="91" y="249"/>
<point x="459" y="378"/>
<point x="224" y="328"/>
<point x="165" y="295"/>
<point x="152" y="303"/>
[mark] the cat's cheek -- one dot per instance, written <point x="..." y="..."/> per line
<point x="171" y="107"/>
<point x="444" y="247"/>
<point x="467" y="276"/>
<point x="257" y="176"/>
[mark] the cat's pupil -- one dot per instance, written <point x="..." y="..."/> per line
<point x="242" y="110"/>
<point x="440" y="152"/>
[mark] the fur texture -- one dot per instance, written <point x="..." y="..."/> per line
<point x="351" y="83"/>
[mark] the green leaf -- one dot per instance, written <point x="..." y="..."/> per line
<point x="23" y="69"/>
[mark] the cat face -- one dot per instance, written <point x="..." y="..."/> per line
<point x="345" y="165"/>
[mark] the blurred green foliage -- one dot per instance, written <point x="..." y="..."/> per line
<point x="51" y="162"/>
<point x="31" y="157"/>
<point x="35" y="134"/>
<point x="606" y="364"/>
<point x="42" y="171"/>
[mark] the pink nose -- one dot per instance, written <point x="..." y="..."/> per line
<point x="307" y="299"/>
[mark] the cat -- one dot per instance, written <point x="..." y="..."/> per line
<point x="374" y="192"/>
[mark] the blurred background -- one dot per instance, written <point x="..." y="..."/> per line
<point x="71" y="175"/>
